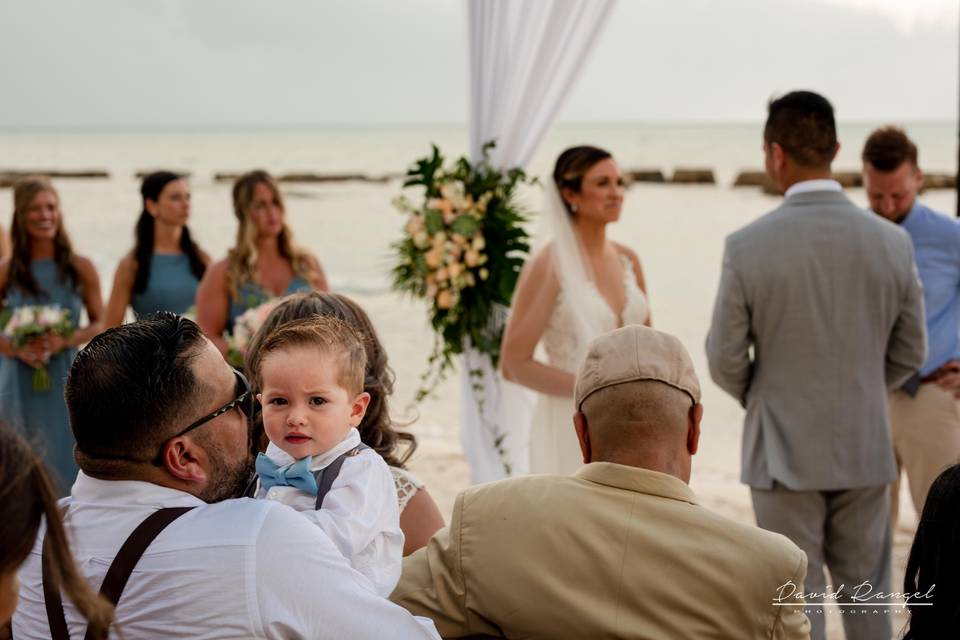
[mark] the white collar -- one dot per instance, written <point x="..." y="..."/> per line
<point x="821" y="184"/>
<point x="92" y="490"/>
<point x="320" y="461"/>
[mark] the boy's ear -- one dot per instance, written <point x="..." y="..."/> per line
<point x="259" y="398"/>
<point x="359" y="409"/>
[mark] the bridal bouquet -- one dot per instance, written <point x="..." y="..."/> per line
<point x="27" y="323"/>
<point x="462" y="249"/>
<point x="244" y="328"/>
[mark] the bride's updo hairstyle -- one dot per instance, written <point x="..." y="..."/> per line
<point x="572" y="165"/>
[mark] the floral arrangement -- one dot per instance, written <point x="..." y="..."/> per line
<point x="244" y="328"/>
<point x="462" y="250"/>
<point x="28" y="323"/>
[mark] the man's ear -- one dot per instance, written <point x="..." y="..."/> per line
<point x="185" y="460"/>
<point x="778" y="154"/>
<point x="693" y="428"/>
<point x="836" y="150"/>
<point x="583" y="435"/>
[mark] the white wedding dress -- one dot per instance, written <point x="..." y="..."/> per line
<point x="553" y="441"/>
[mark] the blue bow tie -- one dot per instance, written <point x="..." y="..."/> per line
<point x="297" y="475"/>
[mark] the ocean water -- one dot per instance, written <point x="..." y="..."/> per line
<point x="678" y="231"/>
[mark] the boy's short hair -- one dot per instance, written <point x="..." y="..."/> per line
<point x="887" y="148"/>
<point x="330" y="335"/>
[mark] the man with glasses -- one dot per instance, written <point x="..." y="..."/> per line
<point x="163" y="440"/>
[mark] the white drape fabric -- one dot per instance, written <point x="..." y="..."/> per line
<point x="524" y="58"/>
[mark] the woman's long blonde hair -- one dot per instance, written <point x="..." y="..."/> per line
<point x="242" y="258"/>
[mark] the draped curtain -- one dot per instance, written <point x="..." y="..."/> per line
<point x="524" y="57"/>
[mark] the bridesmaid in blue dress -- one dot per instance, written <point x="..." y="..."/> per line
<point x="44" y="270"/>
<point x="165" y="267"/>
<point x="263" y="264"/>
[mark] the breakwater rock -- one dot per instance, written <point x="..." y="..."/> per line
<point x="643" y="175"/>
<point x="315" y="178"/>
<point x="14" y="174"/>
<point x="693" y="176"/>
<point x="939" y="181"/>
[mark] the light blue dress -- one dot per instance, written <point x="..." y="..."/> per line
<point x="170" y="287"/>
<point x="253" y="295"/>
<point x="42" y="415"/>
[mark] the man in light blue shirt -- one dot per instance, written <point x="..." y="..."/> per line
<point x="924" y="413"/>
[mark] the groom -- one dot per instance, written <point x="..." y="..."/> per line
<point x="819" y="312"/>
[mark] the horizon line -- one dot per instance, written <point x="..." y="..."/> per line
<point x="4" y="128"/>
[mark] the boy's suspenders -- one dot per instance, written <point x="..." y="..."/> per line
<point x="324" y="477"/>
<point x="329" y="473"/>
<point x="118" y="573"/>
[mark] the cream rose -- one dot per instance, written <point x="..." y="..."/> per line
<point x="445" y="299"/>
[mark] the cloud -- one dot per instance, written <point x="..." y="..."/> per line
<point x="909" y="15"/>
<point x="253" y="63"/>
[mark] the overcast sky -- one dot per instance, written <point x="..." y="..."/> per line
<point x="176" y="63"/>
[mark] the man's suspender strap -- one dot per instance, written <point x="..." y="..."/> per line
<point x="329" y="473"/>
<point x="251" y="490"/>
<point x="118" y="573"/>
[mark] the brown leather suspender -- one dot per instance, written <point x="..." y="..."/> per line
<point x="118" y="573"/>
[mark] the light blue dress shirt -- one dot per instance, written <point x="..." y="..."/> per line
<point x="936" y="245"/>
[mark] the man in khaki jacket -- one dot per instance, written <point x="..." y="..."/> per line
<point x="620" y="549"/>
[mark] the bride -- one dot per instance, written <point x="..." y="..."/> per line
<point x="576" y="287"/>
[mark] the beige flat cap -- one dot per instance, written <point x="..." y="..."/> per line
<point x="635" y="352"/>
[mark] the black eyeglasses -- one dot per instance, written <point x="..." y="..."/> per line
<point x="243" y="401"/>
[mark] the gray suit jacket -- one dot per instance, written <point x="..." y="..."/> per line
<point x="827" y="298"/>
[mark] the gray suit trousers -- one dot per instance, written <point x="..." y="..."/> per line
<point x="849" y="532"/>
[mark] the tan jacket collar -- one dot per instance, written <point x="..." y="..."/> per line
<point x="637" y="479"/>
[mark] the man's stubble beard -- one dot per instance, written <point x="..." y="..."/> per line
<point x="229" y="478"/>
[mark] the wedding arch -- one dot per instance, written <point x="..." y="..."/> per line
<point x="524" y="59"/>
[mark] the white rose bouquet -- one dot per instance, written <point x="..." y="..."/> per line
<point x="28" y="323"/>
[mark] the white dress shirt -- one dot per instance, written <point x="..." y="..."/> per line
<point x="234" y="569"/>
<point x="806" y="186"/>
<point x="360" y="513"/>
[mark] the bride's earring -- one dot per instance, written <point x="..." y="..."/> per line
<point x="573" y="208"/>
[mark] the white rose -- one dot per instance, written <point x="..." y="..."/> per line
<point x="453" y="192"/>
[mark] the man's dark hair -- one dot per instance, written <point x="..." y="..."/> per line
<point x="889" y="147"/>
<point x="133" y="387"/>
<point x="802" y="123"/>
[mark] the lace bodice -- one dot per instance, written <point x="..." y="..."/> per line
<point x="560" y="340"/>
<point x="407" y="485"/>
